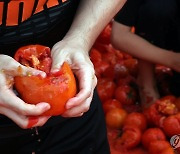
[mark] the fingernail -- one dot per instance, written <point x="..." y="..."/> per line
<point x="44" y="105"/>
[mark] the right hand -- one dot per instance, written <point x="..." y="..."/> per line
<point x="23" y="114"/>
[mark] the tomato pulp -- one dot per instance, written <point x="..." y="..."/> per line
<point x="55" y="89"/>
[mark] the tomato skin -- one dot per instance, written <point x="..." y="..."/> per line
<point x="105" y="88"/>
<point x="126" y="81"/>
<point x="95" y="56"/>
<point x="177" y="103"/>
<point x="171" y="125"/>
<point x="132" y="65"/>
<point x="166" y="105"/>
<point x="153" y="116"/>
<point x="137" y="120"/>
<point x="104" y="37"/>
<point x="151" y="135"/>
<point x="130" y="138"/>
<point x="55" y="89"/>
<point x="115" y="118"/>
<point x="161" y="108"/>
<point x="36" y="56"/>
<point x="125" y="94"/>
<point x="160" y="147"/>
<point x="111" y="104"/>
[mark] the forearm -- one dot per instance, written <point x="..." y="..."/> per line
<point x="123" y="39"/>
<point x="92" y="16"/>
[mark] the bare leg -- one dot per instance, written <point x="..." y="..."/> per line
<point x="147" y="83"/>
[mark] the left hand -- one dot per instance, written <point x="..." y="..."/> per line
<point x="75" y="55"/>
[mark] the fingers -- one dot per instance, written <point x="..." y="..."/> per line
<point x="58" y="59"/>
<point x="80" y="104"/>
<point x="87" y="83"/>
<point x="9" y="100"/>
<point x="24" y="121"/>
<point x="79" y="110"/>
<point x="11" y="67"/>
<point x="16" y="104"/>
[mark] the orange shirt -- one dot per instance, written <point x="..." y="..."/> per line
<point x="16" y="11"/>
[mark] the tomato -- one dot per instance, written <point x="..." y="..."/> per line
<point x="109" y="57"/>
<point x="111" y="104"/>
<point x="55" y="89"/>
<point x="151" y="135"/>
<point x="95" y="56"/>
<point x="125" y="94"/>
<point x="132" y="65"/>
<point x="160" y="147"/>
<point x="115" y="118"/>
<point x="166" y="105"/>
<point x="136" y="150"/>
<point x="177" y="103"/>
<point x="105" y="88"/>
<point x="130" y="138"/>
<point x="102" y="48"/>
<point x="112" y="134"/>
<point x="104" y="37"/>
<point x="126" y="81"/>
<point x="171" y="125"/>
<point x="100" y="67"/>
<point x="161" y="108"/>
<point x="137" y="120"/>
<point x="116" y="71"/>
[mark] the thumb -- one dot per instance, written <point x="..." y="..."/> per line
<point x="57" y="62"/>
<point x="10" y="66"/>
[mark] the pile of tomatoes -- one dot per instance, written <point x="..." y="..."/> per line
<point x="130" y="129"/>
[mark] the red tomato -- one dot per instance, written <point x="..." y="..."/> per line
<point x="104" y="37"/>
<point x="115" y="118"/>
<point x="132" y="65"/>
<point x="100" y="67"/>
<point x="137" y="120"/>
<point x="125" y="94"/>
<point x="130" y="138"/>
<point x="95" y="56"/>
<point x="136" y="150"/>
<point x="102" y="48"/>
<point x="171" y="125"/>
<point x="177" y="103"/>
<point x="160" y="147"/>
<point x="111" y="104"/>
<point x="151" y="135"/>
<point x="109" y="57"/>
<point x="116" y="71"/>
<point x="166" y="105"/>
<point x="161" y="108"/>
<point x="105" y="88"/>
<point x="126" y="81"/>
<point x="112" y="134"/>
<point x="55" y="89"/>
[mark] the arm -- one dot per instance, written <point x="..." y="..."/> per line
<point x="123" y="39"/>
<point x="92" y="16"/>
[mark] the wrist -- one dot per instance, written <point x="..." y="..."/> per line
<point x="79" y="40"/>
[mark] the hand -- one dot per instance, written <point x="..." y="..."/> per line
<point x="78" y="58"/>
<point x="24" y="115"/>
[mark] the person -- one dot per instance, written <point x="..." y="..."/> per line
<point x="69" y="28"/>
<point x="156" y="37"/>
